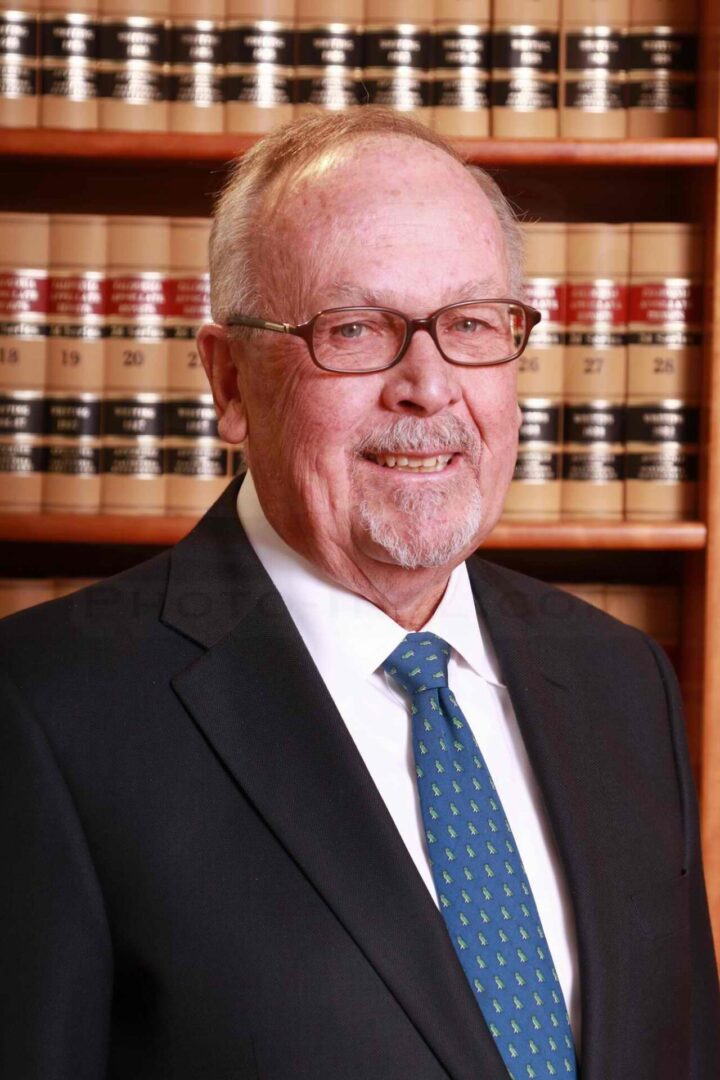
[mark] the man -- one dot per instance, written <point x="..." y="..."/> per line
<point x="310" y="796"/>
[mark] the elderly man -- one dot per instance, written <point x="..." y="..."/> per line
<point x="311" y="796"/>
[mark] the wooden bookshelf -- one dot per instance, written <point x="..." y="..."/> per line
<point x="40" y="145"/>
<point x="162" y="530"/>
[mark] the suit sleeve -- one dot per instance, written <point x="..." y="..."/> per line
<point x="55" y="954"/>
<point x="704" y="1002"/>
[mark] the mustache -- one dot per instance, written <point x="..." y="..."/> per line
<point x="444" y="434"/>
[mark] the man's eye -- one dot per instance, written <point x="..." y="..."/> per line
<point x="466" y="326"/>
<point x="350" y="331"/>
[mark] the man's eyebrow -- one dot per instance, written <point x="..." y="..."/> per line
<point x="347" y="292"/>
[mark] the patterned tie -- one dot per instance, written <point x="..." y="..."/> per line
<point x="481" y="883"/>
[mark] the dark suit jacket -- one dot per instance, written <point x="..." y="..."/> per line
<point x="201" y="881"/>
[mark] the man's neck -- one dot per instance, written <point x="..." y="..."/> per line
<point x="409" y="597"/>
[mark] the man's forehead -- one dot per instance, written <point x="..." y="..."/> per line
<point x="362" y="170"/>
<point x="350" y="292"/>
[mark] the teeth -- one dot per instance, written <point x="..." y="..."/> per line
<point x="399" y="461"/>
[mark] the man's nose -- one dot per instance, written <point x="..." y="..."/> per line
<point x="423" y="383"/>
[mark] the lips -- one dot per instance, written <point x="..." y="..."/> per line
<point x="412" y="462"/>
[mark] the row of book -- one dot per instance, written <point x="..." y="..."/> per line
<point x="621" y="305"/>
<point x="518" y="68"/>
<point x="611" y="382"/>
<point x="104" y="402"/>
<point x="123" y="454"/>
<point x="603" y="459"/>
<point x="654" y="609"/>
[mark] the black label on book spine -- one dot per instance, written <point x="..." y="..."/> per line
<point x="335" y="88"/>
<point x="21" y="458"/>
<point x="667" y="339"/>
<point x="18" y="35"/>
<point x="77" y="460"/>
<point x="138" y="86"/>
<point x="661" y="49"/>
<point x="526" y="94"/>
<point x="196" y="461"/>
<point x="73" y="417"/>
<point x="598" y="464"/>
<point x="123" y="41"/>
<point x="470" y="93"/>
<point x="393" y="48"/>
<point x="325" y="46"/>
<point x="190" y="418"/>
<point x="594" y="423"/>
<point x="17" y="79"/>
<point x="661" y="93"/>
<point x="453" y="50"/>
<point x="76" y="37"/>
<point x="128" y="417"/>
<point x="537" y="464"/>
<point x="678" y="466"/>
<point x="75" y="82"/>
<point x="596" y="339"/>
<point x="591" y="50"/>
<point x="21" y="415"/>
<point x="663" y="423"/>
<point x="594" y="95"/>
<point x="195" y="87"/>
<point x="525" y="47"/>
<point x="141" y="460"/>
<point x="540" y="423"/>
<point x="402" y="92"/>
<point x="250" y="45"/>
<point x="197" y="43"/>
<point x="267" y="88"/>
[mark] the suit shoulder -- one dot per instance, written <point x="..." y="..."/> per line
<point x="550" y="607"/>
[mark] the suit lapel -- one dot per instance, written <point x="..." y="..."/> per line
<point x="566" y="744"/>
<point x="263" y="707"/>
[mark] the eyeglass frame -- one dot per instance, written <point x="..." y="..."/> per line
<point x="429" y="323"/>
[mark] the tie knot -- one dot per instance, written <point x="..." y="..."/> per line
<point x="419" y="662"/>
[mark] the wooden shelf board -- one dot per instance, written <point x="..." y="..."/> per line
<point x="163" y="530"/>
<point x="173" y="147"/>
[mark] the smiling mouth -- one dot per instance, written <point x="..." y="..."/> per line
<point x="431" y="463"/>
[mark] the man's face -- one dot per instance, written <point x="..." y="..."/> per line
<point x="393" y="223"/>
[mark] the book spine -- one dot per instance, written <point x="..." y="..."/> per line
<point x="398" y="56"/>
<point x="196" y="66"/>
<point x="525" y="68"/>
<point x="19" y="66"/>
<point x="69" y="49"/>
<point x="592" y="72"/>
<point x="133" y="65"/>
<point x="535" y="489"/>
<point x="136" y="365"/>
<point x="259" y="57"/>
<point x="329" y="48"/>
<point x="461" y="85"/>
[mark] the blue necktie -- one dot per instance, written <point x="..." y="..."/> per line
<point x="482" y="888"/>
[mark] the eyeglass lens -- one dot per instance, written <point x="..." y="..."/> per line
<point x="356" y="340"/>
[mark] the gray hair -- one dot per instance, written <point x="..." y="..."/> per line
<point x="234" y="254"/>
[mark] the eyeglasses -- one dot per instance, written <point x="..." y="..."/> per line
<point x="360" y="340"/>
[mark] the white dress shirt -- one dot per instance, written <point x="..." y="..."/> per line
<point x="348" y="638"/>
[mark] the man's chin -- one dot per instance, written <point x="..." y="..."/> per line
<point x="412" y="545"/>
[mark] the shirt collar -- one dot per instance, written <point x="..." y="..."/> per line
<point x="343" y="630"/>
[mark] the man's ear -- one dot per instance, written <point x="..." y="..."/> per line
<point x="221" y="370"/>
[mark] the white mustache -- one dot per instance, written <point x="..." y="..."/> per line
<point x="448" y="435"/>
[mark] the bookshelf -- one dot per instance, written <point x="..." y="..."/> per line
<point x="661" y="180"/>
<point x="161" y="530"/>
